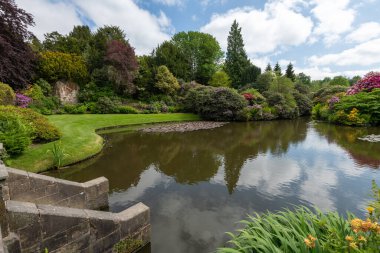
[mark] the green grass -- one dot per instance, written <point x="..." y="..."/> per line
<point x="79" y="139"/>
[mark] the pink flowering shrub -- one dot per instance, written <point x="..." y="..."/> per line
<point x="368" y="83"/>
<point x="332" y="101"/>
<point x="22" y="100"/>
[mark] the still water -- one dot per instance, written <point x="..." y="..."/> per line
<point x="199" y="184"/>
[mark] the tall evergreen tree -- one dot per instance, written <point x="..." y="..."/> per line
<point x="277" y="69"/>
<point x="268" y="68"/>
<point x="236" y="60"/>
<point x="290" y="72"/>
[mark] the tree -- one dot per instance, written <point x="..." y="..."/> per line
<point x="354" y="80"/>
<point x="277" y="69"/>
<point x="304" y="79"/>
<point x="170" y="55"/>
<point x="236" y="59"/>
<point x="268" y="68"/>
<point x="145" y="79"/>
<point x="339" y="80"/>
<point x="220" y="79"/>
<point x="17" y="58"/>
<point x="165" y="81"/>
<point x="203" y="54"/>
<point x="123" y="65"/>
<point x="54" y="66"/>
<point x="264" y="81"/>
<point x="250" y="74"/>
<point x="290" y="72"/>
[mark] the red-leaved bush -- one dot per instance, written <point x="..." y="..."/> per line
<point x="368" y="83"/>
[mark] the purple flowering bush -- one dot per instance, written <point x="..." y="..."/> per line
<point x="22" y="100"/>
<point x="368" y="83"/>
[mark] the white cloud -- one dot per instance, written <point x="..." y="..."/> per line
<point x="264" y="30"/>
<point x="318" y="73"/>
<point x="365" y="32"/>
<point x="50" y="16"/>
<point x="365" y="54"/>
<point x="171" y="2"/>
<point x="144" y="30"/>
<point x="334" y="18"/>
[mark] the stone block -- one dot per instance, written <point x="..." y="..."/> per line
<point x="21" y="214"/>
<point x="55" y="220"/>
<point x="3" y="172"/>
<point x="40" y="181"/>
<point x="77" y="201"/>
<point x="30" y="236"/>
<point x="106" y="243"/>
<point x="102" y="223"/>
<point x="80" y="244"/>
<point x="68" y="189"/>
<point x="12" y="244"/>
<point x="133" y="218"/>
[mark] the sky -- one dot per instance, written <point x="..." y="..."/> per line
<point x="322" y="38"/>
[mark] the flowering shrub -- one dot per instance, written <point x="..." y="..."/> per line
<point x="7" y="95"/>
<point x="22" y="101"/>
<point x="248" y="97"/>
<point x="332" y="101"/>
<point x="368" y="83"/>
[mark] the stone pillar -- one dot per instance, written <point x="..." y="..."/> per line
<point x="4" y="196"/>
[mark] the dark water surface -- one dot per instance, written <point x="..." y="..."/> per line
<point x="199" y="184"/>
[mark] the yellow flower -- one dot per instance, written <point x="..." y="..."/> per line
<point x="366" y="225"/>
<point x="311" y="238"/>
<point x="349" y="238"/>
<point x="370" y="210"/>
<point x="353" y="245"/>
<point x="356" y="224"/>
<point x="362" y="239"/>
<point x="310" y="244"/>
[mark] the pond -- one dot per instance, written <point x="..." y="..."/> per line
<point x="199" y="184"/>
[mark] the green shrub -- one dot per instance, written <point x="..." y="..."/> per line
<point x="284" y="104"/>
<point x="14" y="134"/>
<point x="34" y="92"/>
<point x="42" y="129"/>
<point x="125" y="109"/>
<point x="215" y="103"/>
<point x="107" y="105"/>
<point x="45" y="87"/>
<point x="75" y="109"/>
<point x="257" y="97"/>
<point x="220" y="79"/>
<point x="46" y="105"/>
<point x="304" y="103"/>
<point x="92" y="93"/>
<point x="367" y="103"/>
<point x="7" y="95"/>
<point x="325" y="93"/>
<point x="165" y="81"/>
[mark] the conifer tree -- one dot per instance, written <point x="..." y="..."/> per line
<point x="277" y="69"/>
<point x="268" y="68"/>
<point x="290" y="72"/>
<point x="236" y="60"/>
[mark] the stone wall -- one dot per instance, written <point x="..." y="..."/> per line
<point x="62" y="229"/>
<point x="36" y="213"/>
<point x="40" y="189"/>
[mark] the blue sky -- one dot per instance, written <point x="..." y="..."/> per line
<point x="320" y="37"/>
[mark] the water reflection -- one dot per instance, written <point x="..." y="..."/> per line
<point x="198" y="184"/>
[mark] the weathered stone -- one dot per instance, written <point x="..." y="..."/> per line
<point x="12" y="244"/>
<point x="67" y="92"/>
<point x="56" y="219"/>
<point x="107" y="242"/>
<point x="21" y="214"/>
<point x="133" y="218"/>
<point x="3" y="172"/>
<point x="102" y="223"/>
<point x="80" y="244"/>
<point x="78" y="201"/>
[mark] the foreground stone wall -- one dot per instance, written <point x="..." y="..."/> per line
<point x="62" y="229"/>
<point x="39" y="212"/>
<point x="40" y="189"/>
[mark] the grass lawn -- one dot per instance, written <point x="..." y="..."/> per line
<point x="79" y="139"/>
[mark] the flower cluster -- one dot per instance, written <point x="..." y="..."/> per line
<point x="22" y="100"/>
<point x="332" y="101"/>
<point x="310" y="241"/>
<point x="248" y="96"/>
<point x="359" y="225"/>
<point x="368" y="83"/>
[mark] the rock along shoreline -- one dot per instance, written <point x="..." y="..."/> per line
<point x="183" y="127"/>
